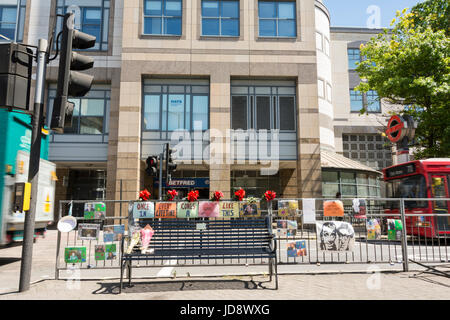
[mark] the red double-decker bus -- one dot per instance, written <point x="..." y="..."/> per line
<point x="421" y="179"/>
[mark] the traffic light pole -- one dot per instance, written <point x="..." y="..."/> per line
<point x="33" y="169"/>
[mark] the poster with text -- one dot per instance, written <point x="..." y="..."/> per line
<point x="88" y="231"/>
<point x="229" y="209"/>
<point x="166" y="210"/>
<point x="309" y="211"/>
<point x="287" y="207"/>
<point x="373" y="229"/>
<point x="75" y="254"/>
<point x="249" y="209"/>
<point x="333" y="208"/>
<point x="335" y="235"/>
<point x="100" y="252"/>
<point x="187" y="209"/>
<point x="143" y="209"/>
<point x="208" y="209"/>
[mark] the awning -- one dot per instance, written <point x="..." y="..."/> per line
<point x="337" y="161"/>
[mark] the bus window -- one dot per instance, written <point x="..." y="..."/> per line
<point x="408" y="187"/>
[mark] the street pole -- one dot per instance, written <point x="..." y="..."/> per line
<point x="33" y="169"/>
<point x="161" y="157"/>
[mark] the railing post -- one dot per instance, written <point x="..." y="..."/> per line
<point x="404" y="237"/>
<point x="58" y="243"/>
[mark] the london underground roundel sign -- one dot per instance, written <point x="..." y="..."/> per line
<point x="396" y="128"/>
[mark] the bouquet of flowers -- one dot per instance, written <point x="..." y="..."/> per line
<point x="240" y="194"/>
<point x="193" y="196"/>
<point x="144" y="195"/>
<point x="270" y="195"/>
<point x="172" y="194"/>
<point x="217" y="196"/>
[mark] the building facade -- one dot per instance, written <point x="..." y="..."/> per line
<point x="252" y="94"/>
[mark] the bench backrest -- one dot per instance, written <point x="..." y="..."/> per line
<point x="209" y="234"/>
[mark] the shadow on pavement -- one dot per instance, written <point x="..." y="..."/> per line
<point x="183" y="285"/>
<point x="4" y="261"/>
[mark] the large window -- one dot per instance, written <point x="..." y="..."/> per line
<point x="277" y="19"/>
<point x="91" y="17"/>
<point x="354" y="56"/>
<point x="370" y="149"/>
<point x="349" y="184"/>
<point x="12" y="20"/>
<point x="368" y="100"/>
<point x="162" y="17"/>
<point x="220" y="18"/>
<point x="91" y="113"/>
<point x="168" y="107"/>
<point x="263" y="107"/>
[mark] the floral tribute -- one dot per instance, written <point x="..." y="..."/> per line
<point x="144" y="195"/>
<point x="270" y="195"/>
<point x="240" y="194"/>
<point x="217" y="196"/>
<point x="172" y="194"/>
<point x="193" y="196"/>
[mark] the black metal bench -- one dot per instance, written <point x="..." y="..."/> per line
<point x="211" y="240"/>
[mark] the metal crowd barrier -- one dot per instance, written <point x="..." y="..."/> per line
<point x="379" y="236"/>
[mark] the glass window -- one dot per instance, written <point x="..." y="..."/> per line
<point x="162" y="17"/>
<point x="356" y="100"/>
<point x="287" y="113"/>
<point x="220" y="18"/>
<point x="200" y="111"/>
<point x="327" y="47"/>
<point x="277" y="19"/>
<point x="92" y="18"/>
<point x="239" y="112"/>
<point x="354" y="56"/>
<point x="321" y="88"/>
<point x="319" y="41"/>
<point x="12" y="20"/>
<point x="373" y="103"/>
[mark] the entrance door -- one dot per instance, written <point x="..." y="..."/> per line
<point x="439" y="188"/>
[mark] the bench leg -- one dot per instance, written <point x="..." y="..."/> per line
<point x="270" y="268"/>
<point x="129" y="273"/>
<point x="276" y="273"/>
<point x="121" y="276"/>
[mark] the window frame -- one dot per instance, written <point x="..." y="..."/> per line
<point x="277" y="19"/>
<point x="351" y="57"/>
<point x="105" y="12"/>
<point x="162" y="17"/>
<point x="19" y="22"/>
<point x="219" y="18"/>
<point x="275" y="115"/>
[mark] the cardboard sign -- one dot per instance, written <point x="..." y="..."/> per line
<point x="309" y="211"/>
<point x="229" y="209"/>
<point x="334" y="208"/>
<point x="143" y="209"/>
<point x="208" y="209"/>
<point x="166" y="210"/>
<point x="187" y="209"/>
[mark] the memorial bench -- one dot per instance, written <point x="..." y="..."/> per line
<point x="210" y="240"/>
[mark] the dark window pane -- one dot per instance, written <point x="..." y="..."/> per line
<point x="152" y="25"/>
<point x="267" y="9"/>
<point x="153" y="7"/>
<point x="287" y="113"/>
<point x="230" y="27"/>
<point x="230" y="9"/>
<point x="210" y="27"/>
<point x="172" y="26"/>
<point x="267" y="28"/>
<point x="74" y="128"/>
<point x="210" y="8"/>
<point x="286" y="28"/>
<point x="263" y="112"/>
<point x="91" y="125"/>
<point x="172" y="8"/>
<point x="239" y="112"/>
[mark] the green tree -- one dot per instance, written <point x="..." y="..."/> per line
<point x="410" y="65"/>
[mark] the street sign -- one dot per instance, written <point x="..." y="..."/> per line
<point x="396" y="129"/>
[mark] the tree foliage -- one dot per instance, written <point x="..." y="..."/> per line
<point x="410" y="65"/>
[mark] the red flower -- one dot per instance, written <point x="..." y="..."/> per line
<point x="270" y="195"/>
<point x="193" y="196"/>
<point x="240" y="194"/>
<point x="172" y="194"/>
<point x="144" y="195"/>
<point x="217" y="195"/>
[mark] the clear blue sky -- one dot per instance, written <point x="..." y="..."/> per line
<point x="353" y="13"/>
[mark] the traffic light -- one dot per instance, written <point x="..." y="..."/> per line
<point x="170" y="165"/>
<point x="71" y="83"/>
<point x="152" y="166"/>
